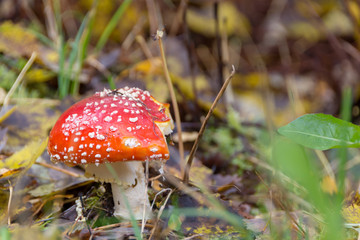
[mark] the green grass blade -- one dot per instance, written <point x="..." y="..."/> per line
<point x="62" y="81"/>
<point x="74" y="53"/>
<point x="112" y="24"/>
<point x="83" y="45"/>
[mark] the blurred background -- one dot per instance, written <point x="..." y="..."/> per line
<point x="291" y="57"/>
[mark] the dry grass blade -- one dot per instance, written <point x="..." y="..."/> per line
<point x="58" y="169"/>
<point x="19" y="78"/>
<point x="159" y="36"/>
<point x="202" y="129"/>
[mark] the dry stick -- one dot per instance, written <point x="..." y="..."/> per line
<point x="202" y="129"/>
<point x="159" y="35"/>
<point x="58" y="169"/>
<point x="19" y="78"/>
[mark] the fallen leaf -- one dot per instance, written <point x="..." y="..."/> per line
<point x="22" y="160"/>
<point x="328" y="185"/>
<point x="231" y="20"/>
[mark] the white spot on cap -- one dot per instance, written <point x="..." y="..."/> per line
<point x="82" y="138"/>
<point x="100" y="137"/>
<point x="154" y="149"/>
<point x="129" y="129"/>
<point x="97" y="164"/>
<point x="126" y="110"/>
<point x="113" y="105"/>
<point x="95" y="119"/>
<point x="55" y="147"/>
<point x="91" y="145"/>
<point x="109" y="149"/>
<point x="132" y="142"/>
<point x="134" y="119"/>
<point x="76" y="139"/>
<point x="71" y="149"/>
<point x="81" y="146"/>
<point x="83" y="161"/>
<point x="66" y="157"/>
<point x="91" y="134"/>
<point x="98" y="146"/>
<point x="57" y="156"/>
<point x="107" y="119"/>
<point x="98" y="155"/>
<point x="84" y="154"/>
<point x="114" y="112"/>
<point x="66" y="133"/>
<point x="119" y="119"/>
<point x="112" y="128"/>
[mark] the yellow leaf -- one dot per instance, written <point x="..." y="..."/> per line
<point x="22" y="160"/>
<point x="230" y="20"/>
<point x="16" y="40"/>
<point x="304" y="30"/>
<point x="338" y="22"/>
<point x="328" y="185"/>
<point x="31" y="120"/>
<point x="38" y="75"/>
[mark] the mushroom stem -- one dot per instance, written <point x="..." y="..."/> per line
<point x="130" y="184"/>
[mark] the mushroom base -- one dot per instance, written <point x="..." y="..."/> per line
<point x="130" y="185"/>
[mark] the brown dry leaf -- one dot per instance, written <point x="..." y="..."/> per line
<point x="22" y="160"/>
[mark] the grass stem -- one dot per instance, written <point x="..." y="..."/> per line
<point x="159" y="36"/>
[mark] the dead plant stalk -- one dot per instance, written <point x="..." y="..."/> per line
<point x="159" y="36"/>
<point x="203" y="126"/>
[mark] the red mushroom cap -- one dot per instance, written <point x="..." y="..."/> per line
<point x="111" y="126"/>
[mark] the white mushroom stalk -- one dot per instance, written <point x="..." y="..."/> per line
<point x="129" y="185"/>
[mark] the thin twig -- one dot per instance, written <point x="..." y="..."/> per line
<point x="11" y="190"/>
<point x="19" y="78"/>
<point x="58" y="169"/>
<point x="202" y="129"/>
<point x="159" y="36"/>
<point x="160" y="211"/>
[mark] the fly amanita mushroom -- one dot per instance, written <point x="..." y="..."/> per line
<point x="123" y="128"/>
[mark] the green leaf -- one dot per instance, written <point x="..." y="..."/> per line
<point x="321" y="131"/>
